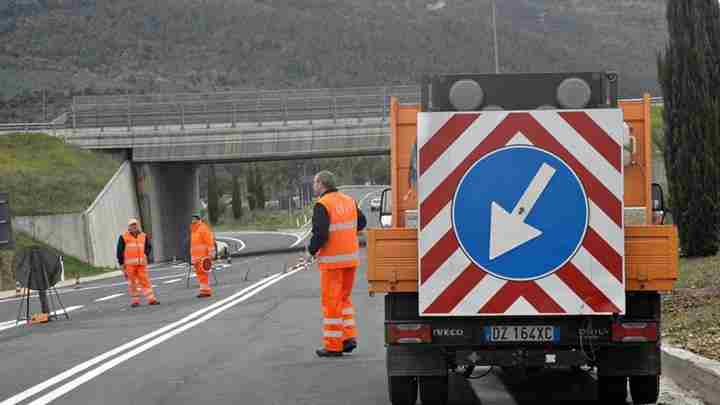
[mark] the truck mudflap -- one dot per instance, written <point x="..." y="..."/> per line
<point x="416" y="360"/>
<point x="635" y="359"/>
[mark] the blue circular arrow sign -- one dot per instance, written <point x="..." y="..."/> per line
<point x="520" y="213"/>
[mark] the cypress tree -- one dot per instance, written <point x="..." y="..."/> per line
<point x="259" y="189"/>
<point x="689" y="74"/>
<point x="250" y="181"/>
<point x="213" y="200"/>
<point x="236" y="197"/>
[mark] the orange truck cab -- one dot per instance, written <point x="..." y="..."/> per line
<point x="520" y="231"/>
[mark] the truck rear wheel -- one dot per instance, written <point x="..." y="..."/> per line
<point x="645" y="389"/>
<point x="403" y="390"/>
<point x="612" y="390"/>
<point x="434" y="390"/>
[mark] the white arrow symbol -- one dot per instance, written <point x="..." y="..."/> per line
<point x="508" y="230"/>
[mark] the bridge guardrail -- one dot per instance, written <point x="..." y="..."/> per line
<point x="30" y="126"/>
<point x="235" y="107"/>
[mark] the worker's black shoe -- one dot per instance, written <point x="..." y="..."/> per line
<point x="327" y="353"/>
<point x="349" y="345"/>
<point x="134" y="305"/>
<point x="154" y="303"/>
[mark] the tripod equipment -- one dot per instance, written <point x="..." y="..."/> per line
<point x="39" y="269"/>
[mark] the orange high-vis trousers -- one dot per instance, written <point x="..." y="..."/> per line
<point x="338" y="313"/>
<point x="139" y="282"/>
<point x="203" y="278"/>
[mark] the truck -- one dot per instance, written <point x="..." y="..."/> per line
<point x="524" y="232"/>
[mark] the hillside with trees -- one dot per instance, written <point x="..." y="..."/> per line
<point x="70" y="47"/>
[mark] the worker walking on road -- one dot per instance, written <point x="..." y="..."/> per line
<point x="202" y="251"/>
<point x="133" y="249"/>
<point x="335" y="224"/>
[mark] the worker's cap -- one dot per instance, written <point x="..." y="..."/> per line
<point x="133" y="221"/>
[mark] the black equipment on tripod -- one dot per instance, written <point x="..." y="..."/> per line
<point x="39" y="269"/>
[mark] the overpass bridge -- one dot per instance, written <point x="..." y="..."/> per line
<point x="238" y="126"/>
<point x="168" y="136"/>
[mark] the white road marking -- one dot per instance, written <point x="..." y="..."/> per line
<point x="239" y="241"/>
<point x="294" y="235"/>
<point x="11" y="324"/>
<point x="175" y="280"/>
<point x="158" y="337"/>
<point x="65" y="290"/>
<point x="109" y="297"/>
<point x="134" y="343"/>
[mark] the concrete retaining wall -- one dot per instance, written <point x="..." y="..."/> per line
<point x="65" y="232"/>
<point x="91" y="236"/>
<point x="107" y="216"/>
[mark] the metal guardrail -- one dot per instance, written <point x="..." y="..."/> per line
<point x="129" y="112"/>
<point x="30" y="127"/>
<point x="256" y="107"/>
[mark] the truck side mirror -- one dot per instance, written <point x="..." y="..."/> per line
<point x="385" y="209"/>
<point x="658" y="204"/>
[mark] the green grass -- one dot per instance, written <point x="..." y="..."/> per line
<point x="46" y="176"/>
<point x="73" y="266"/>
<point x="264" y="220"/>
<point x="691" y="314"/>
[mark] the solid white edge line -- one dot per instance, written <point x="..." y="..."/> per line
<point x="236" y="240"/>
<point x="109" y="297"/>
<point x="70" y="289"/>
<point x="62" y="390"/>
<point x="97" y="359"/>
<point x="11" y="324"/>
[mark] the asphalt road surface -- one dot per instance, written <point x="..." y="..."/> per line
<point x="253" y="342"/>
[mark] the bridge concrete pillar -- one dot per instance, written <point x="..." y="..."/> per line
<point x="167" y="196"/>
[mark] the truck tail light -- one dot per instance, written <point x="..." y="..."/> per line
<point x="635" y="332"/>
<point x="409" y="333"/>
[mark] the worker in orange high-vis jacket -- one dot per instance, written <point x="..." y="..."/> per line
<point x="334" y="244"/>
<point x="202" y="252"/>
<point x="133" y="249"/>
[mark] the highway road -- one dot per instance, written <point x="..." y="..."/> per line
<point x="253" y="342"/>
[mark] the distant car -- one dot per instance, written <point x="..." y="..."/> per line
<point x="375" y="204"/>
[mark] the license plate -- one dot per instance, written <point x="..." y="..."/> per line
<point x="522" y="333"/>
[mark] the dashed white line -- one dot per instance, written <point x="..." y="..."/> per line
<point x="11" y="324"/>
<point x="109" y="297"/>
<point x="137" y="346"/>
<point x="65" y="290"/>
<point x="175" y="280"/>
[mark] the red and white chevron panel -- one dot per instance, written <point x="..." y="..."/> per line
<point x="590" y="143"/>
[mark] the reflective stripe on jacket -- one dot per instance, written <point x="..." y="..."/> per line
<point x="341" y="248"/>
<point x="202" y="242"/>
<point x="134" y="249"/>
